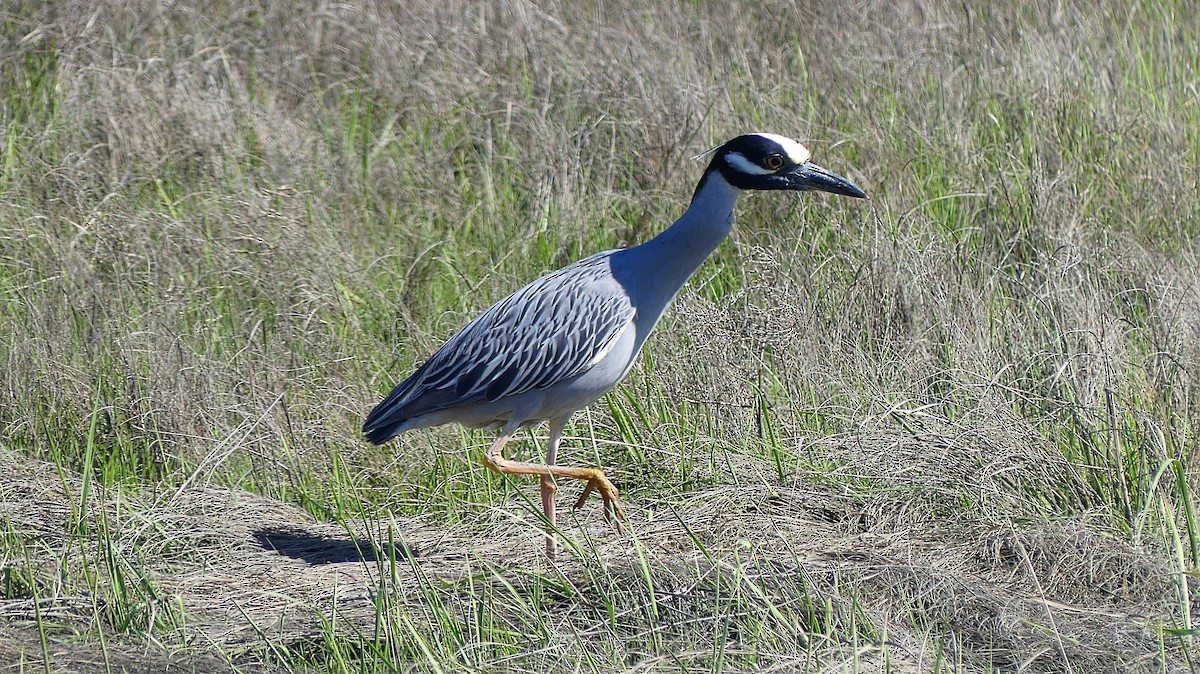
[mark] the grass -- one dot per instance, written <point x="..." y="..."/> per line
<point x="950" y="429"/>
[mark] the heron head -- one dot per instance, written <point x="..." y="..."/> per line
<point x="766" y="161"/>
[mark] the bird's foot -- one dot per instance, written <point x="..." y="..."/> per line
<point x="611" y="497"/>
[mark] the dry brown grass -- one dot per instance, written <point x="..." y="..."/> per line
<point x="953" y="429"/>
<point x="253" y="571"/>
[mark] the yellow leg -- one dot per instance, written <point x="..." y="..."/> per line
<point x="595" y="478"/>
<point x="549" y="487"/>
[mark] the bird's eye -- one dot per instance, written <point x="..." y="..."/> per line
<point x="774" y="162"/>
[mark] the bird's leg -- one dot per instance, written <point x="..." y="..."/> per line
<point x="595" y="477"/>
<point x="609" y="494"/>
<point x="549" y="487"/>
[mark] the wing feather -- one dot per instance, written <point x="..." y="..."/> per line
<point x="553" y="329"/>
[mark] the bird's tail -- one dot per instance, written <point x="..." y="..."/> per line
<point x="381" y="433"/>
<point x="406" y="407"/>
<point x="389" y="418"/>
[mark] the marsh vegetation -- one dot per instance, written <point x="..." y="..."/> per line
<point x="953" y="428"/>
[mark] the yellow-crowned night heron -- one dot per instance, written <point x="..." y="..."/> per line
<point x="560" y="343"/>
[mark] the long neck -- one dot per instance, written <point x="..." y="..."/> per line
<point x="675" y="254"/>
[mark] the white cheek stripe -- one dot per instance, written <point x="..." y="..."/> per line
<point x="738" y="162"/>
<point x="796" y="153"/>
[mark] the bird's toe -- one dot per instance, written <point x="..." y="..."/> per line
<point x="609" y="495"/>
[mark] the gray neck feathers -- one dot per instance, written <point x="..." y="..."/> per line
<point x="667" y="261"/>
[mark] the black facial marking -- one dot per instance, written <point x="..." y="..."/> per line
<point x="755" y="149"/>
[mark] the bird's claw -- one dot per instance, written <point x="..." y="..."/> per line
<point x="611" y="497"/>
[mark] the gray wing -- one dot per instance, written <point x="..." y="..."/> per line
<point x="551" y="330"/>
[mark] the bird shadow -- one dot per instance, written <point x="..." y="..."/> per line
<point x="318" y="549"/>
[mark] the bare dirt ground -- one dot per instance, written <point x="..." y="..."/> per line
<point x="253" y="572"/>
